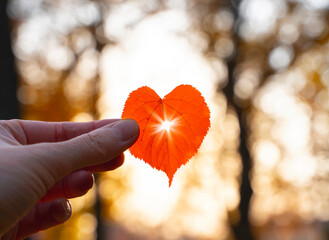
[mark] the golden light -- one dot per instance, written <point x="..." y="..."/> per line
<point x="166" y="125"/>
<point x="87" y="57"/>
<point x="150" y="202"/>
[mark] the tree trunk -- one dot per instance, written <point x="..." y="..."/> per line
<point x="9" y="107"/>
<point x="242" y="229"/>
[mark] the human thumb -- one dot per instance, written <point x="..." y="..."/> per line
<point x="103" y="144"/>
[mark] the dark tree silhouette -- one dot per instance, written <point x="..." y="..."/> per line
<point x="242" y="229"/>
<point x="9" y="107"/>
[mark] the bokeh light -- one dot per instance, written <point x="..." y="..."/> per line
<point x="79" y="60"/>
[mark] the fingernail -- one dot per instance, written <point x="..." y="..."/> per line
<point x="126" y="129"/>
<point x="61" y="210"/>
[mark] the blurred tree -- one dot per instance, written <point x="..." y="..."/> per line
<point x="207" y="12"/>
<point x="9" y="107"/>
<point x="265" y="53"/>
<point x="242" y="228"/>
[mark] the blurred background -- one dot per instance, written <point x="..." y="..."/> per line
<point x="262" y="172"/>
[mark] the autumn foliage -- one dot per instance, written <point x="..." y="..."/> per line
<point x="171" y="129"/>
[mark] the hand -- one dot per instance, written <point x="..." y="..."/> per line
<point x="42" y="164"/>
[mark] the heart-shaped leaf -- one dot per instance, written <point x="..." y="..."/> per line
<point x="171" y="129"/>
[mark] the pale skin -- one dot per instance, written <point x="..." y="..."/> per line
<point x="43" y="164"/>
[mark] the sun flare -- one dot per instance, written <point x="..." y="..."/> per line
<point x="166" y="125"/>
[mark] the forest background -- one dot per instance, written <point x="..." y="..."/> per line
<point x="263" y="67"/>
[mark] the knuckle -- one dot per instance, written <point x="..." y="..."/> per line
<point x="59" y="132"/>
<point x="14" y="129"/>
<point x="8" y="124"/>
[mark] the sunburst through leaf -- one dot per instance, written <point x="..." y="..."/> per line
<point x="171" y="129"/>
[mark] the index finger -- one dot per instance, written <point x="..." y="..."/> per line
<point x="38" y="131"/>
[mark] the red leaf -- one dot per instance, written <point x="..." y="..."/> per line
<point x="171" y="129"/>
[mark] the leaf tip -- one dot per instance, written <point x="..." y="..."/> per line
<point x="170" y="181"/>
